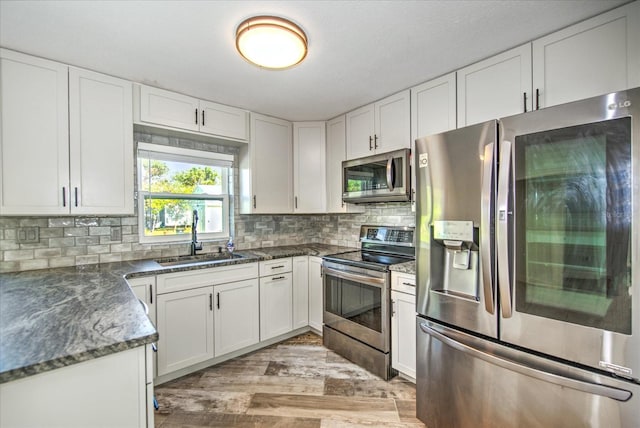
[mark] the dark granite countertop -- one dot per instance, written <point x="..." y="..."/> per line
<point x="406" y="267"/>
<point x="52" y="318"/>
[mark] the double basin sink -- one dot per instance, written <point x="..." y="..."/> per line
<point x="199" y="259"/>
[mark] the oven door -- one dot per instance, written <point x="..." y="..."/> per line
<point x="356" y="303"/>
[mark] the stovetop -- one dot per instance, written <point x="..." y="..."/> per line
<point x="381" y="246"/>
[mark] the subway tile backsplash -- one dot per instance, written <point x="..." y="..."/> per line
<point x="73" y="241"/>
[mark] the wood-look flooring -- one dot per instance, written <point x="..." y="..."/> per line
<point x="296" y="383"/>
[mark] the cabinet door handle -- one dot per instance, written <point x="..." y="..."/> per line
<point x="277" y="278"/>
<point x="151" y="294"/>
<point x="254" y="201"/>
<point x="537" y="99"/>
<point x="375" y="141"/>
<point x="196" y="116"/>
<point x="75" y="190"/>
<point x="524" y="98"/>
<point x="393" y="308"/>
<point x="64" y="196"/>
<point x="202" y="117"/>
<point x="211" y="301"/>
<point x="295" y="202"/>
<point x="370" y="143"/>
<point x="218" y="300"/>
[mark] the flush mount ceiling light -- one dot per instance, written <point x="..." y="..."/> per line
<point x="271" y="42"/>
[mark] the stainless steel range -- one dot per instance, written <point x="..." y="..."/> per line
<point x="357" y="302"/>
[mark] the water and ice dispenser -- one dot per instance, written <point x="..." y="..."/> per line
<point x="455" y="258"/>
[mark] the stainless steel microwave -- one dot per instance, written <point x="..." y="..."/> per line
<point x="384" y="177"/>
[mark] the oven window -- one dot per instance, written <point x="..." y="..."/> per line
<point x="573" y="224"/>
<point x="359" y="303"/>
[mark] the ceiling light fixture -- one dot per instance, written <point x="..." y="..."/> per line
<point x="271" y="42"/>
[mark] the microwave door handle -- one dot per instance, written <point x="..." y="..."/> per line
<point x="390" y="174"/>
<point x="502" y="229"/>
<point x="485" y="229"/>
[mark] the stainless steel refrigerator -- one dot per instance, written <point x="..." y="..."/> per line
<point x="528" y="269"/>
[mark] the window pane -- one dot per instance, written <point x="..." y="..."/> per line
<point x="180" y="177"/>
<point x="171" y="217"/>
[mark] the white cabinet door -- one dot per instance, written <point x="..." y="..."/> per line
<point x="101" y="143"/>
<point x="309" y="142"/>
<point x="336" y="153"/>
<point x="236" y="316"/>
<point x="144" y="288"/>
<point x="379" y="127"/>
<point x="403" y="333"/>
<point x="594" y="57"/>
<point x="360" y="130"/>
<point x="393" y="123"/>
<point x="34" y="150"/>
<point x="266" y="168"/>
<point x="433" y="106"/>
<point x="496" y="87"/>
<point x="108" y="391"/>
<point x="315" y="293"/>
<point x="185" y="326"/>
<point x="433" y="110"/>
<point x="224" y="121"/>
<point x="300" y="291"/>
<point x="276" y="305"/>
<point x="168" y="108"/>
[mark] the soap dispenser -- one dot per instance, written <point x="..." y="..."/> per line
<point x="230" y="246"/>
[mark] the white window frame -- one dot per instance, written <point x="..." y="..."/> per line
<point x="185" y="155"/>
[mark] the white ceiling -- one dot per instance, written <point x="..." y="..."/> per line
<point x="359" y="51"/>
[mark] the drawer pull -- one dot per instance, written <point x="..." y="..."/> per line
<point x="277" y="278"/>
<point x="277" y="267"/>
<point x="408" y="283"/>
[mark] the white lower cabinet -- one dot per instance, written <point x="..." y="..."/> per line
<point x="143" y="288"/>
<point x="403" y="324"/>
<point x="315" y="293"/>
<point x="300" y="291"/>
<point x="109" y="391"/>
<point x="276" y="305"/>
<point x="185" y="326"/>
<point x="236" y="319"/>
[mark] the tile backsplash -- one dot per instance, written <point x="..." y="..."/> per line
<point x="73" y="241"/>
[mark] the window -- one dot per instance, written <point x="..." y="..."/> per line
<point x="172" y="184"/>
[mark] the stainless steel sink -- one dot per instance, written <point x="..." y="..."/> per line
<point x="211" y="258"/>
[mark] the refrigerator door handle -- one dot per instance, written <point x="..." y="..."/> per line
<point x="485" y="229"/>
<point x="502" y="229"/>
<point x="510" y="363"/>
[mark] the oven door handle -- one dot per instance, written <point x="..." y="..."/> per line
<point x="376" y="282"/>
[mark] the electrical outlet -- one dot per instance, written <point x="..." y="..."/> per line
<point x="116" y="233"/>
<point x="28" y="235"/>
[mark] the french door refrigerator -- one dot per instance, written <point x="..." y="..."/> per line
<point x="528" y="269"/>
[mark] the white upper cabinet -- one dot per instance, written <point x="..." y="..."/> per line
<point x="379" y="127"/>
<point x="433" y="107"/>
<point x="67" y="140"/>
<point x="166" y="108"/>
<point x="309" y="183"/>
<point x="433" y="110"/>
<point x="266" y="167"/>
<point x="101" y="143"/>
<point x="34" y="155"/>
<point x="336" y="153"/>
<point x="594" y="57"/>
<point x="495" y="87"/>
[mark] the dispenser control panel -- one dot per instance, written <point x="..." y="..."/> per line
<point x="453" y="230"/>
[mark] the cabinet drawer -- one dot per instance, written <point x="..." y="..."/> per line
<point x="403" y="282"/>
<point x="177" y="281"/>
<point x="273" y="267"/>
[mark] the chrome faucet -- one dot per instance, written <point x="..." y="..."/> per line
<point x="195" y="245"/>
